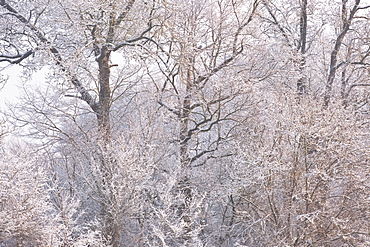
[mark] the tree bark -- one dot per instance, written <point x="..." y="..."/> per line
<point x="103" y="116"/>
<point x="302" y="81"/>
<point x="338" y="43"/>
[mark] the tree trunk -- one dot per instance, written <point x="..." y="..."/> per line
<point x="302" y="81"/>
<point x="104" y="96"/>
<point x="338" y="43"/>
<point x="185" y="136"/>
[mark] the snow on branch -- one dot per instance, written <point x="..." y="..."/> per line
<point x="16" y="59"/>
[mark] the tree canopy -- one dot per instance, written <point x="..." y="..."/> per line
<point x="186" y="123"/>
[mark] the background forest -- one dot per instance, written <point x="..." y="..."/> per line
<point x="186" y="123"/>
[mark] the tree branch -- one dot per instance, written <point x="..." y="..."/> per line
<point x="357" y="85"/>
<point x="131" y="41"/>
<point x="235" y="51"/>
<point x="85" y="95"/>
<point x="364" y="7"/>
<point x="169" y="108"/>
<point x="338" y="43"/>
<point x="219" y="67"/>
<point x="18" y="58"/>
<point x="125" y="12"/>
<point x="194" y="158"/>
<point x="277" y="23"/>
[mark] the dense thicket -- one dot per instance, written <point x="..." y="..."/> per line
<point x="186" y="123"/>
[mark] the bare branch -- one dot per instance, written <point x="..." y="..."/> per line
<point x="169" y="108"/>
<point x="357" y="85"/>
<point x="338" y="43"/>
<point x="194" y="158"/>
<point x="72" y="96"/>
<point x="17" y="58"/>
<point x="277" y="23"/>
<point x="85" y="95"/>
<point x="131" y="41"/>
<point x="364" y="7"/>
<point x="125" y="12"/>
<point x="219" y="67"/>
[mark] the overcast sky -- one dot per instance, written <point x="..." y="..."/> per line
<point x="12" y="88"/>
<point x="9" y="91"/>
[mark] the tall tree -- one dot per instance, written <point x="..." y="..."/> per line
<point x="347" y="19"/>
<point x="76" y="40"/>
<point x="97" y="29"/>
<point x="202" y="45"/>
<point x="296" y="38"/>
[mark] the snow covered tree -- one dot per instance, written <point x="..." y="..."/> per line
<point x="187" y="123"/>
<point x="75" y="41"/>
<point x="299" y="177"/>
<point x="25" y="208"/>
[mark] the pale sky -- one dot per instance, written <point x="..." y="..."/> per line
<point x="11" y="90"/>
